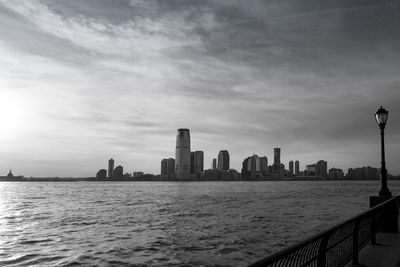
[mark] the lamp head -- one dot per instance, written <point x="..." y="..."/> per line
<point x="381" y="116"/>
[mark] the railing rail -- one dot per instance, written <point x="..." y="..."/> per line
<point x="336" y="246"/>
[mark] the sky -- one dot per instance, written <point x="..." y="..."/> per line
<point x="85" y="81"/>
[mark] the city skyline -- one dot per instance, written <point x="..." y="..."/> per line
<point x="83" y="83"/>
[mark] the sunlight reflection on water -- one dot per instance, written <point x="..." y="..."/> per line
<point x="167" y="223"/>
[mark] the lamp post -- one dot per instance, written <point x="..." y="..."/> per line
<point x="381" y="117"/>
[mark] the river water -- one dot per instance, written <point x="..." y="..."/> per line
<point x="168" y="223"/>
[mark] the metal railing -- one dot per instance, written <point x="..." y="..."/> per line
<point x="336" y="246"/>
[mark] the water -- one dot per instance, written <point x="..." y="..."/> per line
<point x="168" y="223"/>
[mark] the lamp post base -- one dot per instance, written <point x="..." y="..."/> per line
<point x="388" y="223"/>
<point x="384" y="192"/>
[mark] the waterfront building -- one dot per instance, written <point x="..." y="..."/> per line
<point x="291" y="168"/>
<point x="264" y="166"/>
<point x="137" y="174"/>
<point x="171" y="168"/>
<point x="111" y="169"/>
<point x="297" y="168"/>
<point x="312" y="169"/>
<point x="196" y="162"/>
<point x="255" y="167"/>
<point x="322" y="168"/>
<point x="164" y="166"/>
<point x="118" y="172"/>
<point x="182" y="154"/>
<point x="363" y="173"/>
<point x="223" y="160"/>
<point x="214" y="164"/>
<point x="101" y="174"/>
<point x="336" y="173"/>
<point x="249" y="167"/>
<point x="277" y="167"/>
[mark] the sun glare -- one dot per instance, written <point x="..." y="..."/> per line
<point x="13" y="114"/>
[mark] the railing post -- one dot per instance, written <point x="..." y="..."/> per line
<point x="373" y="230"/>
<point x="355" y="242"/>
<point x="321" y="262"/>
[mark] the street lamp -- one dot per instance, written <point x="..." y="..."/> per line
<point x="381" y="117"/>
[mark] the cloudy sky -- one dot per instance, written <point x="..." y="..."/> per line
<point x="84" y="81"/>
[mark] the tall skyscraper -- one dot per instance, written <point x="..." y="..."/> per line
<point x="182" y="154"/>
<point x="223" y="160"/>
<point x="214" y="164"/>
<point x="110" y="169"/>
<point x="277" y="161"/>
<point x="277" y="156"/>
<point x="291" y="168"/>
<point x="296" y="167"/>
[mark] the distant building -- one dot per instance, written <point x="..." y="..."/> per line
<point x="111" y="169"/>
<point x="137" y="174"/>
<point x="196" y="162"/>
<point x="317" y="169"/>
<point x="214" y="164"/>
<point x="363" y="173"/>
<point x="171" y="168"/>
<point x="322" y="168"/>
<point x="255" y="167"/>
<point x="168" y="168"/>
<point x="277" y="167"/>
<point x="216" y="175"/>
<point x="101" y="174"/>
<point x="249" y="167"/>
<point x="223" y="160"/>
<point x="182" y="154"/>
<point x="164" y="165"/>
<point x="312" y="169"/>
<point x="335" y="173"/>
<point x="296" y="167"/>
<point x="118" y="172"/>
<point x="264" y="166"/>
<point x="291" y="168"/>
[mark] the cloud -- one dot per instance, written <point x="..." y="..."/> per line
<point x="117" y="78"/>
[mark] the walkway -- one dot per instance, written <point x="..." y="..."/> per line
<point x="386" y="253"/>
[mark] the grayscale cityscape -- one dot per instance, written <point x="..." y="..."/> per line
<point x="200" y="133"/>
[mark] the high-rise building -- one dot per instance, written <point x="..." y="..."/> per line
<point x="296" y="167"/>
<point x="322" y="168"/>
<point x="196" y="162"/>
<point x="118" y="172"/>
<point x="277" y="156"/>
<point x="171" y="168"/>
<point x="214" y="164"/>
<point x="182" y="154"/>
<point x="110" y="169"/>
<point x="264" y="166"/>
<point x="255" y="167"/>
<point x="164" y="166"/>
<point x="291" y="168"/>
<point x="192" y="167"/>
<point x="223" y="160"/>
<point x="277" y="160"/>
